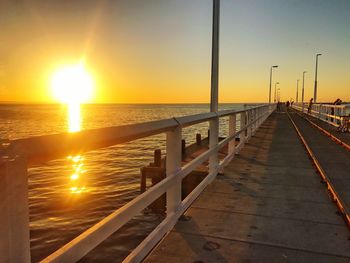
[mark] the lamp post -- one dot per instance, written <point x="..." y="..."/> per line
<point x="214" y="123"/>
<point x="302" y="94"/>
<point x="315" y="88"/>
<point x="215" y="57"/>
<point x="276" y="66"/>
<point x="278" y="95"/>
<point x="296" y="98"/>
<point x="274" y="100"/>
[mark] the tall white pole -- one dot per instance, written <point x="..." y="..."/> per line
<point x="302" y="93"/>
<point x="272" y="67"/>
<point x="297" y="97"/>
<point x="215" y="57"/>
<point x="270" y="84"/>
<point x="214" y="123"/>
<point x="275" y="97"/>
<point x="315" y="88"/>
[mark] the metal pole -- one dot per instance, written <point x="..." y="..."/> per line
<point x="315" y="88"/>
<point x="276" y="66"/>
<point x="270" y="84"/>
<point x="274" y="100"/>
<point x="297" y="99"/>
<point x="214" y="123"/>
<point x="215" y="57"/>
<point x="302" y="94"/>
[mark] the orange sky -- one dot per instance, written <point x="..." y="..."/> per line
<point x="159" y="51"/>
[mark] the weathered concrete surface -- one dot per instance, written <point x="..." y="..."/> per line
<point x="269" y="206"/>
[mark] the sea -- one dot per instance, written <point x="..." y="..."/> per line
<point x="69" y="195"/>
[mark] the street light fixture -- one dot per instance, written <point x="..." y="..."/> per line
<point x="302" y="94"/>
<point x="274" y="100"/>
<point x="315" y="88"/>
<point x="276" y="66"/>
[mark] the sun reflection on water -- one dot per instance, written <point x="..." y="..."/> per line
<point x="76" y="178"/>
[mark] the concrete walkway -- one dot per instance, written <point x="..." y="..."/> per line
<point x="269" y="206"/>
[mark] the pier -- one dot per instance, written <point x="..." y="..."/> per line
<point x="275" y="188"/>
<point x="279" y="193"/>
<point x="269" y="205"/>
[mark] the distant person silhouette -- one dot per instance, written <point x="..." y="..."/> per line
<point x="310" y="106"/>
<point x="287" y="104"/>
<point x="336" y="102"/>
<point x="278" y="106"/>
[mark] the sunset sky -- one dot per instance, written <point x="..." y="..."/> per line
<point x="159" y="51"/>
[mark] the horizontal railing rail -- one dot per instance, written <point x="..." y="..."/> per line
<point x="40" y="149"/>
<point x="331" y="114"/>
<point x="23" y="153"/>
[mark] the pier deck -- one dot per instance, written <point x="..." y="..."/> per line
<point x="268" y="206"/>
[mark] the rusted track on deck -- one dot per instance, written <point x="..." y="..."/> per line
<point x="335" y="196"/>
<point x="329" y="134"/>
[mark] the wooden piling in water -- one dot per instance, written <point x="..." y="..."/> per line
<point x="198" y="139"/>
<point x="183" y="149"/>
<point x="157" y="158"/>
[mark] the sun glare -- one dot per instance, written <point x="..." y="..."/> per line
<point x="74" y="117"/>
<point x="72" y="84"/>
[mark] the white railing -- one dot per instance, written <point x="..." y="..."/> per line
<point x="331" y="114"/>
<point x="23" y="153"/>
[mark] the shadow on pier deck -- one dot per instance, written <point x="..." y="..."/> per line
<point x="268" y="206"/>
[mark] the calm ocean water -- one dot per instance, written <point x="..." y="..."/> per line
<point x="69" y="195"/>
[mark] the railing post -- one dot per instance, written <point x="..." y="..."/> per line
<point x="254" y="120"/>
<point x="231" y="131"/>
<point x="260" y="115"/>
<point x="319" y="111"/>
<point x="249" y="122"/>
<point x="242" y="135"/>
<point x="173" y="164"/>
<point x="252" y="127"/>
<point x="14" y="212"/>
<point x="213" y="142"/>
<point x="327" y="112"/>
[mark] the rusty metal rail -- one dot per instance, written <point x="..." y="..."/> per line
<point x="334" y="195"/>
<point x="334" y="138"/>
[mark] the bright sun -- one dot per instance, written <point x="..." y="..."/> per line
<point x="72" y="84"/>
